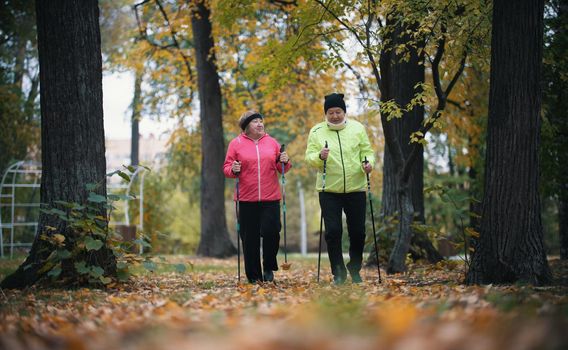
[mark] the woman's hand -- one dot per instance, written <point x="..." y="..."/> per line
<point x="236" y="167"/>
<point x="284" y="157"/>
<point x="324" y="153"/>
<point x="367" y="168"/>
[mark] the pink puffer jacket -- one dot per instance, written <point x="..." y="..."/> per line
<point x="259" y="179"/>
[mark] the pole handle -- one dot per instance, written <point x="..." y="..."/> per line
<point x="238" y="172"/>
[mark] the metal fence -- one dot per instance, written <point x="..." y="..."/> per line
<point x="20" y="203"/>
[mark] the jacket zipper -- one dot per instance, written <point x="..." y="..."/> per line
<point x="258" y="162"/>
<point x="342" y="164"/>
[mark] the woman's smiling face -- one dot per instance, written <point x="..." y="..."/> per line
<point x="335" y="115"/>
<point x="255" y="128"/>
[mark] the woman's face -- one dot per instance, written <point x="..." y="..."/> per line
<point x="255" y="128"/>
<point x="335" y="115"/>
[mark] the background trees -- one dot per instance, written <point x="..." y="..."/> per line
<point x="416" y="72"/>
<point x="554" y="166"/>
<point x="19" y="82"/>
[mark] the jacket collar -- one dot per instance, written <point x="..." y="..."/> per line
<point x="245" y="136"/>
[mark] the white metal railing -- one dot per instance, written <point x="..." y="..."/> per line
<point x="22" y="174"/>
<point x="27" y="175"/>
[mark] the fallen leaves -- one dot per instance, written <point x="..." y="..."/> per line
<point x="205" y="307"/>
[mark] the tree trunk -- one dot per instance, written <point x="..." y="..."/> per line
<point x="215" y="241"/>
<point x="136" y="107"/>
<point x="563" y="227"/>
<point x="72" y="131"/>
<point x="19" y="68"/>
<point x="397" y="259"/>
<point x="399" y="80"/>
<point x="511" y="246"/>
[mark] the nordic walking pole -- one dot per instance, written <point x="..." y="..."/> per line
<point x="238" y="227"/>
<point x="285" y="266"/>
<point x="373" y="220"/>
<point x="321" y="216"/>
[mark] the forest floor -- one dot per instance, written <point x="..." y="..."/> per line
<point x="205" y="308"/>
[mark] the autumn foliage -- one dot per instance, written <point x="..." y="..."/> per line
<point x="205" y="308"/>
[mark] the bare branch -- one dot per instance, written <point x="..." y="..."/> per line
<point x="366" y="48"/>
<point x="456" y="104"/>
<point x="436" y="65"/>
<point x="457" y="75"/>
<point x="362" y="85"/>
<point x="306" y="27"/>
<point x="175" y="44"/>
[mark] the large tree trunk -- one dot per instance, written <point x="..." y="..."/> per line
<point x="511" y="247"/>
<point x="72" y="131"/>
<point x="563" y="227"/>
<point x="136" y="108"/>
<point x="215" y="239"/>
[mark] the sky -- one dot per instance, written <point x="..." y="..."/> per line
<point x="118" y="89"/>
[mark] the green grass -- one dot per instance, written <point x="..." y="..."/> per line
<point x="9" y="265"/>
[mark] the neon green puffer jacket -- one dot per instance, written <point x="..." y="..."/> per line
<point x="347" y="150"/>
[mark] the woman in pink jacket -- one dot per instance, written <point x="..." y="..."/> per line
<point x="255" y="158"/>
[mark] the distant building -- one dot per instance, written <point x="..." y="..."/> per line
<point x="152" y="152"/>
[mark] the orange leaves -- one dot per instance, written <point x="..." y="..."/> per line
<point x="206" y="308"/>
<point x="396" y="316"/>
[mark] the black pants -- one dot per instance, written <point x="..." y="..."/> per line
<point x="260" y="219"/>
<point x="354" y="205"/>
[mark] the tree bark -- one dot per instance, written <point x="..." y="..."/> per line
<point x="511" y="246"/>
<point x="19" y="64"/>
<point x="403" y="196"/>
<point x="215" y="241"/>
<point x="72" y="131"/>
<point x="136" y="107"/>
<point x="563" y="227"/>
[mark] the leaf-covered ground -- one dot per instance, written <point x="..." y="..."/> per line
<point x="204" y="308"/>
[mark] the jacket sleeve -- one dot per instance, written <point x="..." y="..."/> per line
<point x="229" y="159"/>
<point x="313" y="151"/>
<point x="365" y="148"/>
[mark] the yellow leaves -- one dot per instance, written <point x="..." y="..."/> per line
<point x="58" y="239"/>
<point x="391" y="109"/>
<point x="117" y="300"/>
<point x="396" y="315"/>
<point x="471" y="232"/>
<point x="204" y="309"/>
<point x="167" y="307"/>
<point x="418" y="137"/>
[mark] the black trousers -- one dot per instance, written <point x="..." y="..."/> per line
<point x="354" y="206"/>
<point x="260" y="219"/>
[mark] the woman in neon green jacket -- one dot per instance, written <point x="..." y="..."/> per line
<point x="345" y="183"/>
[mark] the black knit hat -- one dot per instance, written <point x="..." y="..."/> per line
<point x="246" y="121"/>
<point x="334" y="100"/>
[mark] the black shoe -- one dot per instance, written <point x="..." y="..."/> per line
<point x="268" y="276"/>
<point x="356" y="278"/>
<point x="338" y="280"/>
